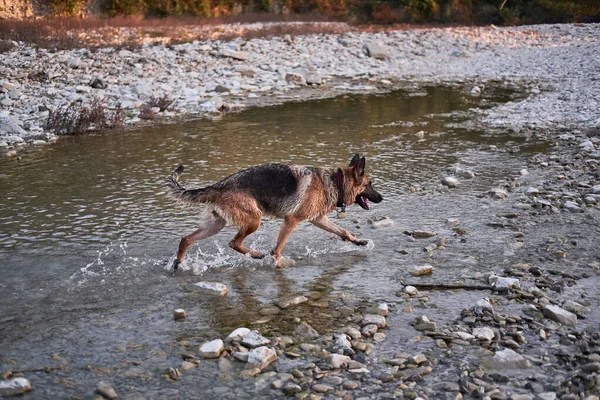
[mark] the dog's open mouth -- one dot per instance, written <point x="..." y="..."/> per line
<point x="362" y="201"/>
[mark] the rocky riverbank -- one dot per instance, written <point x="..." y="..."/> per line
<point x="557" y="63"/>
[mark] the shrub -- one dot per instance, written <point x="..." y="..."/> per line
<point x="76" y="118"/>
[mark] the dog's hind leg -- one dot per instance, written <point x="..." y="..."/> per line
<point x="289" y="224"/>
<point x="326" y="224"/>
<point x="245" y="230"/>
<point x="208" y="227"/>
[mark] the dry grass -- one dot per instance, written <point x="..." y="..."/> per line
<point x="77" y="118"/>
<point x="70" y="32"/>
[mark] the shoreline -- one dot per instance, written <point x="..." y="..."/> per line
<point x="557" y="62"/>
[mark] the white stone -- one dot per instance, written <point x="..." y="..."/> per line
<point x="421" y="270"/>
<point x="214" y="287"/>
<point x="383" y="309"/>
<point x="14" y="387"/>
<point x="261" y="357"/>
<point x="291" y="301"/>
<point x="411" y="290"/>
<point x="465" y="336"/>
<point x="502" y="283"/>
<point x="375" y="319"/>
<point x="555" y="313"/>
<point x="342" y="342"/>
<point x="179" y="314"/>
<point x="450" y="181"/>
<point x="338" y="361"/>
<point x="509" y="359"/>
<point x="237" y="335"/>
<point x="254" y="339"/>
<point x="237" y="55"/>
<point x="376" y="50"/>
<point x="484" y="333"/>
<point x="212" y="349"/>
<point x="531" y="191"/>
<point x="484" y="304"/>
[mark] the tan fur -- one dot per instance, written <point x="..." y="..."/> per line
<point x="316" y="196"/>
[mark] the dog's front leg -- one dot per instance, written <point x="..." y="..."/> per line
<point x="289" y="223"/>
<point x="325" y="223"/>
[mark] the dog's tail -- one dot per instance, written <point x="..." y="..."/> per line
<point x="181" y="194"/>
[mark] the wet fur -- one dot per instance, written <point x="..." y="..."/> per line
<point x="293" y="192"/>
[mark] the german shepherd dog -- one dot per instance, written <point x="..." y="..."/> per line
<point x="293" y="192"/>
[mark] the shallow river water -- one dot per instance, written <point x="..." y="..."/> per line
<point x="86" y="235"/>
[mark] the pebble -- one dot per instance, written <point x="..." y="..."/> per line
<point x="411" y="290"/>
<point x="450" y="181"/>
<point x="484" y="333"/>
<point x="305" y="331"/>
<point x="374" y="319"/>
<point x="322" y="388"/>
<point x="179" y="314"/>
<point x="507" y="359"/>
<point x="337" y="361"/>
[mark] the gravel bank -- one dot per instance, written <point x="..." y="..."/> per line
<point x="558" y="63"/>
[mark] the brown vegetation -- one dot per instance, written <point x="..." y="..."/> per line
<point x="76" y="118"/>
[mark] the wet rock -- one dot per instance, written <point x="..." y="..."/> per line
<point x="417" y="359"/>
<point x="224" y="364"/>
<point x="254" y="339"/>
<point x="305" y="331"/>
<point x="423" y="324"/>
<point x="241" y="356"/>
<point x="546" y="396"/>
<point x="532" y="311"/>
<point x="576" y="308"/>
<point x="174" y="373"/>
<point x="261" y="357"/>
<point x="106" y="390"/>
<point x="291" y="388"/>
<point x="212" y="349"/>
<point x="353" y="333"/>
<point x="250" y="372"/>
<point x="557" y="314"/>
<point x="290" y="302"/>
<point x="186" y="365"/>
<point x="19" y="386"/>
<point x="342" y="342"/>
<point x="484" y="333"/>
<point x="237" y="335"/>
<point x="450" y="181"/>
<point x="465" y="336"/>
<point x="531" y="191"/>
<point x="375" y="319"/>
<point x="502" y="283"/>
<point x="337" y="361"/>
<point x="212" y="287"/>
<point x="98" y="83"/>
<point x="179" y="314"/>
<point x="591" y="367"/>
<point x="573" y="207"/>
<point x="507" y="359"/>
<point x="421" y="270"/>
<point x="369" y="330"/>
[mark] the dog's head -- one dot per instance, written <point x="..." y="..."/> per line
<point x="359" y="185"/>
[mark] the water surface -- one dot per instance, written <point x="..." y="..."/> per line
<point x="87" y="232"/>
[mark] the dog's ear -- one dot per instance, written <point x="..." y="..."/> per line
<point x="359" y="168"/>
<point x="354" y="160"/>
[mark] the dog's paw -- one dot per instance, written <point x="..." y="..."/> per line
<point x="361" y="242"/>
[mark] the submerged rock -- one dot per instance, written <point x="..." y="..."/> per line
<point x="305" y="331"/>
<point x="106" y="391"/>
<point x="507" y="359"/>
<point x="213" y="287"/>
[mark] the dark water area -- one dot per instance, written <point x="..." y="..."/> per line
<point x="87" y="233"/>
